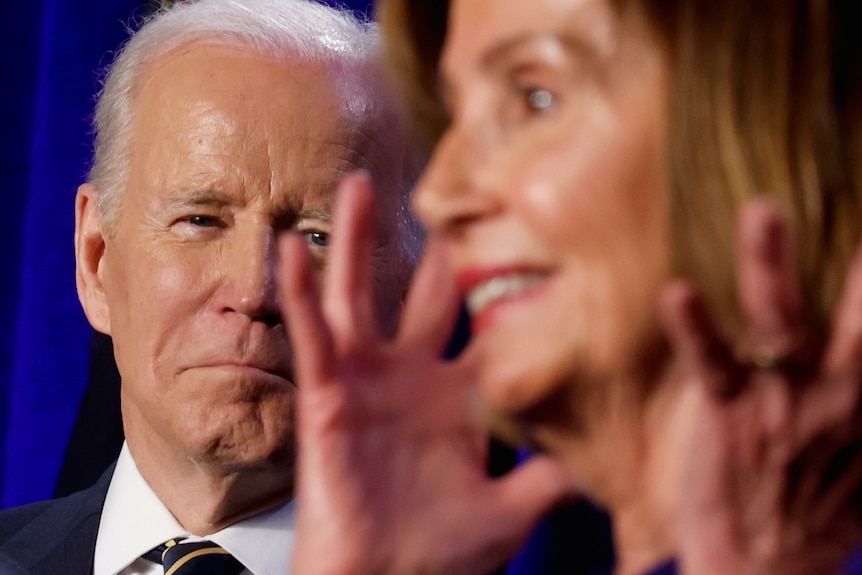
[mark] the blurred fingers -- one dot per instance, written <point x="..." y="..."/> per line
<point x="311" y="342"/>
<point x="776" y="336"/>
<point x="348" y="287"/>
<point x="844" y="354"/>
<point x="697" y="342"/>
<point x="531" y="490"/>
<point x="432" y="305"/>
<point x="836" y="400"/>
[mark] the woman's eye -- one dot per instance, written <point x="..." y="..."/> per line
<point x="538" y="99"/>
<point x="318" y="238"/>
<point x="526" y="102"/>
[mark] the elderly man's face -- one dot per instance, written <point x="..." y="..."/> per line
<point x="228" y="150"/>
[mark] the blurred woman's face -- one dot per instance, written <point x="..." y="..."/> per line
<point x="549" y="190"/>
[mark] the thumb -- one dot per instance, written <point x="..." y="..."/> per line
<point x="531" y="491"/>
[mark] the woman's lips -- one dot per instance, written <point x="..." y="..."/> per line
<point x="497" y="288"/>
<point x="485" y="288"/>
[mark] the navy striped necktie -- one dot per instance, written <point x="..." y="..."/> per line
<point x="198" y="558"/>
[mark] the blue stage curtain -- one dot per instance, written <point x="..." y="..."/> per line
<point x="53" y="50"/>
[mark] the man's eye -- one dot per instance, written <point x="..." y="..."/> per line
<point x="317" y="238"/>
<point x="203" y="221"/>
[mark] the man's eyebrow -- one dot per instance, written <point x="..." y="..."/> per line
<point x="197" y="197"/>
<point x="315" y="214"/>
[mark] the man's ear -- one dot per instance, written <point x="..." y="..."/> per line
<point x="89" y="255"/>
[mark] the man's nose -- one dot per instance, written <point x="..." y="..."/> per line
<point x="251" y="277"/>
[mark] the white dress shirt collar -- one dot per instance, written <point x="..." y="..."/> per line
<point x="134" y="521"/>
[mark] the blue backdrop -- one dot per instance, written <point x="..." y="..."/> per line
<point x="52" y="53"/>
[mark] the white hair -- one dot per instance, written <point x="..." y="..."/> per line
<point x="290" y="29"/>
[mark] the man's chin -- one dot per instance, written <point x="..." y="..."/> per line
<point x="230" y="459"/>
<point x="248" y="446"/>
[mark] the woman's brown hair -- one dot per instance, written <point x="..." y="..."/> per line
<point x="765" y="101"/>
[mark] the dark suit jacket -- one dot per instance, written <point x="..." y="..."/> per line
<point x="97" y="435"/>
<point x="8" y="568"/>
<point x="56" y="537"/>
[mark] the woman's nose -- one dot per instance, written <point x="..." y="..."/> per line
<point x="455" y="190"/>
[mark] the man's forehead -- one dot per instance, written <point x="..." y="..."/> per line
<point x="344" y="76"/>
<point x="220" y="108"/>
<point x="212" y="110"/>
<point x="350" y="88"/>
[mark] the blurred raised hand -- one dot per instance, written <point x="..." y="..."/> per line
<point x="766" y="436"/>
<point x="391" y="470"/>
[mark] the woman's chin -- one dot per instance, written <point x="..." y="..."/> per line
<point x="512" y="413"/>
<point x="514" y="388"/>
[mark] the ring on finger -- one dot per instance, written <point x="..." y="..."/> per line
<point x="769" y="358"/>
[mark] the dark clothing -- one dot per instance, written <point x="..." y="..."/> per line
<point x="97" y="436"/>
<point x="668" y="568"/>
<point x="7" y="568"/>
<point x="853" y="565"/>
<point x="57" y="536"/>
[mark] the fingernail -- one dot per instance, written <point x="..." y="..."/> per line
<point x="362" y="173"/>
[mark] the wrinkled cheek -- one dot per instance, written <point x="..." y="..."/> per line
<point x="183" y="279"/>
<point x="181" y="289"/>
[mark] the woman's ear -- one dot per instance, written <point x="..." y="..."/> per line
<point x="89" y="252"/>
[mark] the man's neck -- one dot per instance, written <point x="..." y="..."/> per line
<point x="205" y="498"/>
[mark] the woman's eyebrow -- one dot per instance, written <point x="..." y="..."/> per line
<point x="493" y="59"/>
<point x="566" y="44"/>
<point x="496" y="56"/>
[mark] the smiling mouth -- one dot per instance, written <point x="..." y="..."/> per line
<point x="498" y="288"/>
